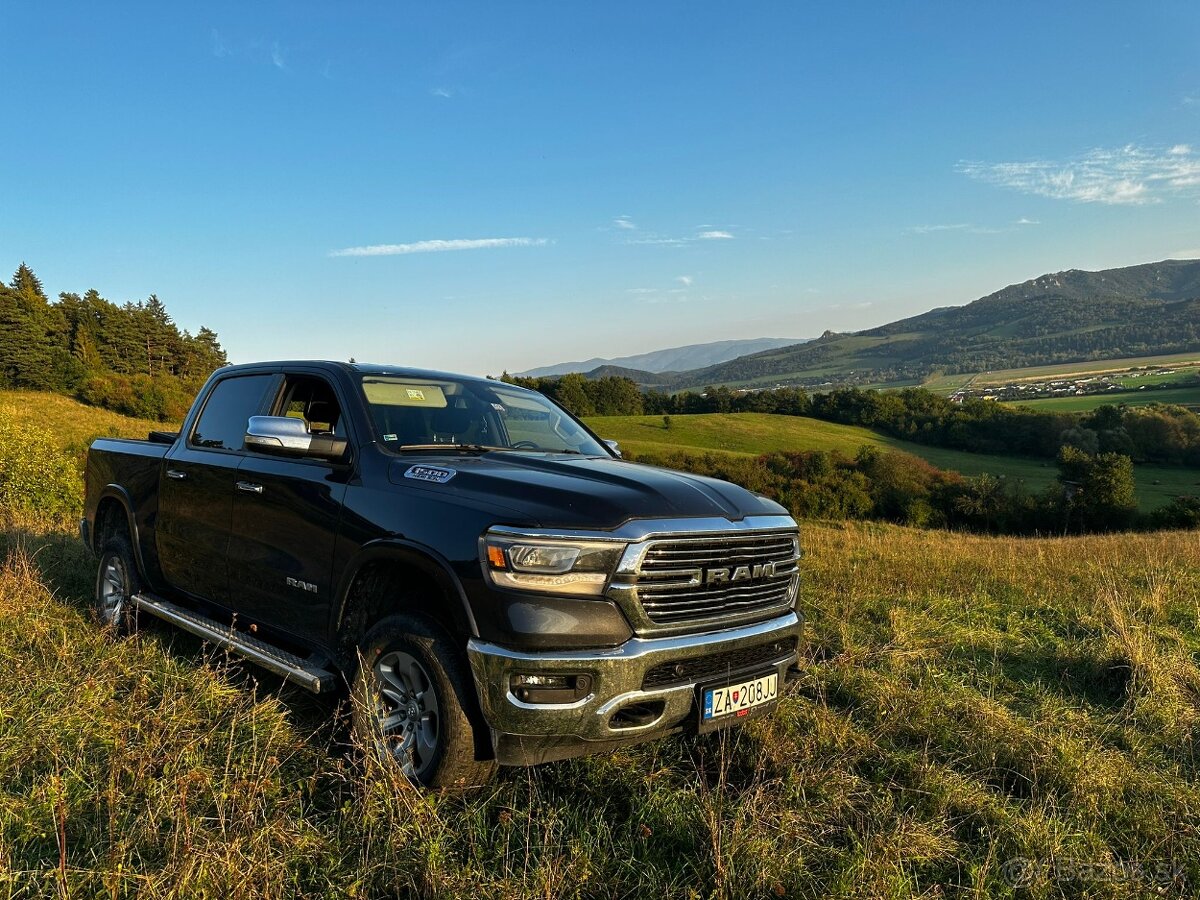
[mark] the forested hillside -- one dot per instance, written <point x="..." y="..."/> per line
<point x="1064" y="317"/>
<point x="130" y="357"/>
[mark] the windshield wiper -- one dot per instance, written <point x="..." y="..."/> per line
<point x="486" y="448"/>
<point x="470" y="448"/>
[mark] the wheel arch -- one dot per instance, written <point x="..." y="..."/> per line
<point x="392" y="576"/>
<point x="114" y="509"/>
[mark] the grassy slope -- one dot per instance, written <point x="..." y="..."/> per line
<point x="75" y="424"/>
<point x="761" y="432"/>
<point x="964" y="701"/>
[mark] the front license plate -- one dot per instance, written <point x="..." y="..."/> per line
<point x="734" y="701"/>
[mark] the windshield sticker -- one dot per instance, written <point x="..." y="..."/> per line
<point x="430" y="473"/>
<point x="381" y="392"/>
<point x="499" y="407"/>
<point x="391" y="437"/>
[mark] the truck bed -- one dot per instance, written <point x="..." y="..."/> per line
<point x="130" y="467"/>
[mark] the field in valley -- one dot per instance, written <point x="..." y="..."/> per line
<point x="754" y="433"/>
<point x="973" y="713"/>
<point x="947" y="384"/>
<point x="1181" y="396"/>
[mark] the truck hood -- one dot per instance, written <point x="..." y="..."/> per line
<point x="556" y="490"/>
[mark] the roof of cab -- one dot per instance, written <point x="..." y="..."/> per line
<point x="357" y="367"/>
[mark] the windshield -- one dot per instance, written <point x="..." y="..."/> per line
<point x="420" y="413"/>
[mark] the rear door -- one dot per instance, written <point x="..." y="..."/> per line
<point x="286" y="514"/>
<point x="197" y="485"/>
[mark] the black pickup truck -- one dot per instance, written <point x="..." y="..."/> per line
<point x="491" y="581"/>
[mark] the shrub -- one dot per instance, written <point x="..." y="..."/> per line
<point x="36" y="476"/>
<point x="1182" y="512"/>
<point x="162" y="397"/>
<point x="1100" y="489"/>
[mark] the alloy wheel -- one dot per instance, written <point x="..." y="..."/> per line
<point x="112" y="591"/>
<point x="408" y="723"/>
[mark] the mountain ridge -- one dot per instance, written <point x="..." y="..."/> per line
<point x="1068" y="316"/>
<point x="670" y="359"/>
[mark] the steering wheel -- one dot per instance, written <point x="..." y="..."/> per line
<point x="525" y="445"/>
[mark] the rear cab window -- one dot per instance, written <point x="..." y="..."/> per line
<point x="227" y="411"/>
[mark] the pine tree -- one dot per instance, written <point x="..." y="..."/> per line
<point x="25" y="282"/>
<point x="99" y="350"/>
<point x="29" y="334"/>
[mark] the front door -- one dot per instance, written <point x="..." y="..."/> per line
<point x="285" y="521"/>
<point x="196" y="487"/>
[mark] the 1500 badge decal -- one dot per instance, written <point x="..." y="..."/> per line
<point x="429" y="473"/>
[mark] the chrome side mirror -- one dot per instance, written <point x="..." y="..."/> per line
<point x="288" y="436"/>
<point x="613" y="446"/>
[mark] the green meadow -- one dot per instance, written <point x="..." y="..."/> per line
<point x="754" y="433"/>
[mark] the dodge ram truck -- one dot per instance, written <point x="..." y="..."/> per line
<point x="490" y="581"/>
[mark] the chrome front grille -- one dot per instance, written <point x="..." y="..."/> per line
<point x="680" y="580"/>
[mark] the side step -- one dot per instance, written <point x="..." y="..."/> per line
<point x="282" y="663"/>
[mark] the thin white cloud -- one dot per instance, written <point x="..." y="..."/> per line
<point x="641" y="290"/>
<point x="932" y="229"/>
<point x="960" y="227"/>
<point x="685" y="280"/>
<point x="277" y="56"/>
<point x="442" y="92"/>
<point x="220" y="47"/>
<point x="439" y="246"/>
<point x="1025" y="221"/>
<point x="1127" y="176"/>
<point x="655" y="239"/>
<point x="652" y="238"/>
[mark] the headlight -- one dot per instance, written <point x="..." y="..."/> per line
<point x="580" y="568"/>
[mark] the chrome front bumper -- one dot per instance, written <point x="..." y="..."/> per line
<point x="526" y="733"/>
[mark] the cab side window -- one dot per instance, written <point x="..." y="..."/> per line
<point x="227" y="412"/>
<point x="312" y="400"/>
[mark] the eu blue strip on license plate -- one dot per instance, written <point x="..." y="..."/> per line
<point x="739" y="698"/>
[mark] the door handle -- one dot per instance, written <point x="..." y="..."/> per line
<point x="250" y="487"/>
<point x="176" y="474"/>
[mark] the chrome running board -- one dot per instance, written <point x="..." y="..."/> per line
<point x="299" y="671"/>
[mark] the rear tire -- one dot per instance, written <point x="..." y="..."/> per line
<point x="117" y="580"/>
<point x="414" y="705"/>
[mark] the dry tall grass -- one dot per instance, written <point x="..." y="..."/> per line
<point x="965" y="702"/>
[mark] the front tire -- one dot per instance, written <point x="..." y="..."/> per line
<point x="415" y="707"/>
<point x="117" y="581"/>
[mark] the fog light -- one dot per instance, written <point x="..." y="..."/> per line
<point x="550" y="688"/>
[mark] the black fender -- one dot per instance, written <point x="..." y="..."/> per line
<point x="121" y="496"/>
<point x="399" y="550"/>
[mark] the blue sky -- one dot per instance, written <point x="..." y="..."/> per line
<point x="481" y="186"/>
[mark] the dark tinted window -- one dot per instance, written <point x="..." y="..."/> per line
<point x="228" y="410"/>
